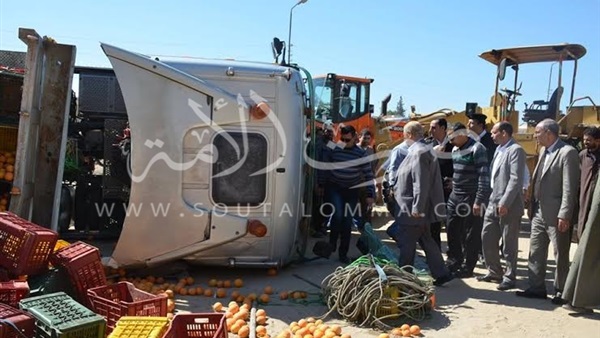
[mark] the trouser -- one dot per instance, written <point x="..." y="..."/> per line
<point x="345" y="207"/>
<point x="406" y="237"/>
<point x="464" y="231"/>
<point x="365" y="208"/>
<point x="541" y="236"/>
<point x="318" y="214"/>
<point x="507" y="229"/>
<point x="436" y="233"/>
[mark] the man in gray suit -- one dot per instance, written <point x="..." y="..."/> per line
<point x="503" y="214"/>
<point x="420" y="201"/>
<point x="555" y="184"/>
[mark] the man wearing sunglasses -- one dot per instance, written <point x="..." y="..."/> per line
<point x="347" y="169"/>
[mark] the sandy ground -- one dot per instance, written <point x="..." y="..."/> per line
<point x="465" y="308"/>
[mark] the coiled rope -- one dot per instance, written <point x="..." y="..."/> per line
<point x="362" y="294"/>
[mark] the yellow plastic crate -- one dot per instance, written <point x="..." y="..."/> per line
<point x="8" y="138"/>
<point x="140" y="327"/>
<point x="61" y="244"/>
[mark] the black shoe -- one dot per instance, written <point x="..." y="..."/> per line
<point x="344" y="259"/>
<point x="464" y="273"/>
<point x="333" y="246"/>
<point x="577" y="309"/>
<point x="489" y="278"/>
<point x="453" y="265"/>
<point x="532" y="294"/>
<point x="444" y="279"/>
<point x="318" y="234"/>
<point x="506" y="285"/>
<point x="558" y="300"/>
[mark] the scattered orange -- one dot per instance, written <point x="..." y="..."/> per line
<point x="272" y="272"/>
<point x="217" y="307"/>
<point x="244" y="332"/>
<point x="264" y="298"/>
<point x="268" y="290"/>
<point x="221" y="293"/>
<point x="238" y="283"/>
<point x="261" y="331"/>
<point x="283" y="295"/>
<point x="415" y="330"/>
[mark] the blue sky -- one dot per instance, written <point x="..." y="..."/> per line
<point x="426" y="51"/>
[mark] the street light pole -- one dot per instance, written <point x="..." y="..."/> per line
<point x="290" y="31"/>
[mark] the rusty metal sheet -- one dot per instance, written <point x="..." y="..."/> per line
<point x="42" y="133"/>
<point x="55" y="104"/>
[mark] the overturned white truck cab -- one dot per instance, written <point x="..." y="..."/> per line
<point x="217" y="161"/>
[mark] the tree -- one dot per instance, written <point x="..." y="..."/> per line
<point x="400" y="110"/>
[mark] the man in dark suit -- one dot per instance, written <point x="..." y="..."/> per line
<point x="438" y="138"/>
<point x="477" y="126"/>
<point x="503" y="213"/>
<point x="418" y="194"/>
<point x="555" y="184"/>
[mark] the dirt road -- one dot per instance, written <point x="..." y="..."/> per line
<point x="465" y="308"/>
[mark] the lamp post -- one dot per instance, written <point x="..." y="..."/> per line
<point x="290" y="31"/>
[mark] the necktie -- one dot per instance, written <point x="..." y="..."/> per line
<point x="546" y="160"/>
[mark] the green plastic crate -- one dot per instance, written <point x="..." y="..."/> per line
<point x="59" y="316"/>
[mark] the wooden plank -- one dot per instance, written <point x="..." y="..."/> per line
<point x="52" y="135"/>
<point x="20" y="203"/>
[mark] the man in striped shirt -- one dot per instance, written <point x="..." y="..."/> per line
<point x="470" y="193"/>
<point x="347" y="170"/>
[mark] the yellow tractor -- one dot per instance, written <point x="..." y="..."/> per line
<point x="502" y="106"/>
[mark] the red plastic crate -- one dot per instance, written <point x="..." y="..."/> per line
<point x="24" y="247"/>
<point x="124" y="299"/>
<point x="22" y="320"/>
<point x="197" y="325"/>
<point x="4" y="277"/>
<point x="12" y="292"/>
<point x="84" y="267"/>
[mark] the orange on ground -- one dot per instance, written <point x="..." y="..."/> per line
<point x="415" y="330"/>
<point x="221" y="293"/>
<point x="264" y="298"/>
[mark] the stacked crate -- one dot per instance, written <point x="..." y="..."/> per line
<point x="15" y="323"/>
<point x="25" y="247"/>
<point x="197" y="325"/>
<point x="59" y="316"/>
<point x="123" y="299"/>
<point x="140" y="327"/>
<point x="83" y="264"/>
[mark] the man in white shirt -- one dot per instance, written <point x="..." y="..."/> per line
<point x="503" y="214"/>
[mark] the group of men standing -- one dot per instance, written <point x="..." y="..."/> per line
<point x="474" y="181"/>
<point x="487" y="201"/>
